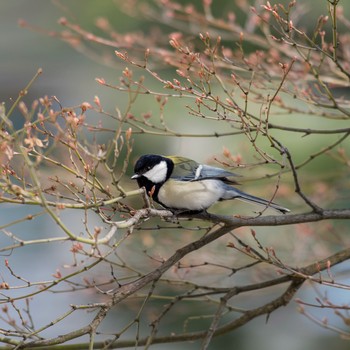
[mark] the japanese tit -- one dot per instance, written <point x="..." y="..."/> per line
<point x="180" y="184"/>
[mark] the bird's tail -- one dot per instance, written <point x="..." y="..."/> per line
<point x="234" y="193"/>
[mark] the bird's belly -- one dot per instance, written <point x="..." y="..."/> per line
<point x="195" y="195"/>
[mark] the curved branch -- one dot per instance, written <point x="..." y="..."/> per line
<point x="274" y="220"/>
<point x="230" y="223"/>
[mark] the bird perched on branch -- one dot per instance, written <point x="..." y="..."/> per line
<point x="181" y="184"/>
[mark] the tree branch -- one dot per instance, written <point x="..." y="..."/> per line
<point x="230" y="224"/>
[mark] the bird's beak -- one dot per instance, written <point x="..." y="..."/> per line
<point x="135" y="176"/>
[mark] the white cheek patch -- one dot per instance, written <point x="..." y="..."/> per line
<point x="158" y="173"/>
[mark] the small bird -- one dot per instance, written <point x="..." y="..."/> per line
<point x="182" y="185"/>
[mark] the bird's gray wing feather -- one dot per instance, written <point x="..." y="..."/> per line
<point x="210" y="172"/>
<point x="192" y="171"/>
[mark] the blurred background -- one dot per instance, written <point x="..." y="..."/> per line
<point x="70" y="76"/>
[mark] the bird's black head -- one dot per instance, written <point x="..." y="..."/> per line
<point x="154" y="167"/>
<point x="151" y="171"/>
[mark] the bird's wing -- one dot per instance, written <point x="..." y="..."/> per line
<point x="189" y="170"/>
<point x="208" y="171"/>
<point x="184" y="168"/>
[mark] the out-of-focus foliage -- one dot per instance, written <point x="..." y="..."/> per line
<point x="256" y="87"/>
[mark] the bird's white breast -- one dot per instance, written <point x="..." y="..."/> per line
<point x="190" y="195"/>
